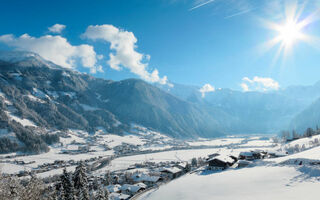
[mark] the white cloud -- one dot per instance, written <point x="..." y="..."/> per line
<point x="57" y="28"/>
<point x="56" y="49"/>
<point x="123" y="43"/>
<point x="205" y="89"/>
<point x="259" y="84"/>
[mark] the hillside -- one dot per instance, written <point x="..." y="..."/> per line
<point x="41" y="96"/>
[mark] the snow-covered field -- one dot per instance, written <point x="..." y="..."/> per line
<point x="263" y="183"/>
<point x="275" y="178"/>
<point x="142" y="138"/>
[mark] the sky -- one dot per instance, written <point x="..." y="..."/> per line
<point x="239" y="44"/>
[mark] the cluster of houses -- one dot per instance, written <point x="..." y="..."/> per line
<point x="123" y="187"/>
<point x="55" y="165"/>
<point x="220" y="162"/>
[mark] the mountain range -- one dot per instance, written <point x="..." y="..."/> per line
<point x="38" y="96"/>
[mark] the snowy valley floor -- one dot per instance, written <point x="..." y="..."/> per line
<point x="270" y="179"/>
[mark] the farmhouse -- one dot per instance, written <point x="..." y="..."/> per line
<point x="132" y="189"/>
<point x="118" y="196"/>
<point x="172" y="172"/>
<point x="146" y="179"/>
<point x="220" y="162"/>
<point x="114" y="188"/>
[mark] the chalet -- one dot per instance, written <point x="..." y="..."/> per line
<point x="114" y="188"/>
<point x="212" y="156"/>
<point x="220" y="162"/>
<point x="117" y="196"/>
<point x="243" y="163"/>
<point x="182" y="166"/>
<point x="276" y="154"/>
<point x="172" y="172"/>
<point x="146" y="179"/>
<point x="132" y="189"/>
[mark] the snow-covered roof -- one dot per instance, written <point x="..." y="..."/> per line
<point x="223" y="158"/>
<point x="172" y="170"/>
<point x="141" y="185"/>
<point x="182" y="165"/>
<point x="113" y="188"/>
<point x="131" y="188"/>
<point x="119" y="196"/>
<point x="144" y="177"/>
<point x="246" y="153"/>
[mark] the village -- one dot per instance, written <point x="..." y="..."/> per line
<point x="129" y="169"/>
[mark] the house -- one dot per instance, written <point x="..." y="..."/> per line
<point x="212" y="156"/>
<point x="114" y="188"/>
<point x="243" y="163"/>
<point x="172" y="172"/>
<point x="146" y="179"/>
<point x="182" y="166"/>
<point x="276" y="154"/>
<point x="118" y="196"/>
<point x="246" y="155"/>
<point x="133" y="189"/>
<point x="220" y="162"/>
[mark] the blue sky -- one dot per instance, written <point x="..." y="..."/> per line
<point x="192" y="42"/>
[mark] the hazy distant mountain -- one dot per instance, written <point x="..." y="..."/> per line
<point x="252" y="112"/>
<point x="309" y="117"/>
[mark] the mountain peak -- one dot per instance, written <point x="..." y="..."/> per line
<point x="26" y="59"/>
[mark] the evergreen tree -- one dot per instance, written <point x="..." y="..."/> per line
<point x="309" y="132"/>
<point x="101" y="195"/>
<point x="33" y="190"/>
<point x="81" y="182"/>
<point x="67" y="185"/>
<point x="295" y="135"/>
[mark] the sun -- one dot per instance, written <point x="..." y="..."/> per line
<point x="289" y="33"/>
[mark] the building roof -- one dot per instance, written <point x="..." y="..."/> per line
<point x="140" y="177"/>
<point x="226" y="159"/>
<point x="141" y="185"/>
<point x="172" y="170"/>
<point x="131" y="188"/>
<point x="119" y="196"/>
<point x="182" y="165"/>
<point x="246" y="153"/>
<point x="113" y="188"/>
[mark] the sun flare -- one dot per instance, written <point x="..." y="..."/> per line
<point x="290" y="33"/>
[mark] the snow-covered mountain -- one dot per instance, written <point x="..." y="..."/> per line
<point x="253" y="112"/>
<point x="37" y="96"/>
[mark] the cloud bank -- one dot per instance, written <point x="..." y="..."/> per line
<point x="123" y="45"/>
<point x="56" y="49"/>
<point x="259" y="84"/>
<point x="205" y="89"/>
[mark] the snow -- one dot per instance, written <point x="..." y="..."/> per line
<point x="115" y="140"/>
<point x="263" y="183"/>
<point x="69" y="94"/>
<point x="9" y="168"/>
<point x="40" y="94"/>
<point x="216" y="142"/>
<point x="307" y="142"/>
<point x="55" y="172"/>
<point x="3" y="97"/>
<point x="54" y="94"/>
<point x="23" y="122"/>
<point x="88" y="108"/>
<point x="33" y="98"/>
